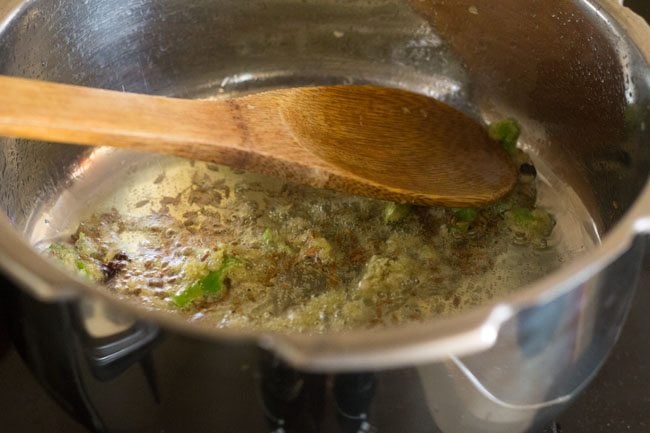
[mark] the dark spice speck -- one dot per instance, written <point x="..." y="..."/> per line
<point x="528" y="169"/>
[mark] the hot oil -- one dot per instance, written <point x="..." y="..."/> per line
<point x="310" y="260"/>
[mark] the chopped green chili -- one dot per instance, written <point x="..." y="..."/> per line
<point x="534" y="223"/>
<point x="395" y="212"/>
<point x="211" y="284"/>
<point x="507" y="133"/>
<point x="466" y="214"/>
<point x="72" y="259"/>
<point x="268" y="236"/>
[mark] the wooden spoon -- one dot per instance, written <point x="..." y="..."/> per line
<point x="364" y="140"/>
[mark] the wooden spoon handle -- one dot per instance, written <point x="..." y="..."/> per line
<point x="70" y="114"/>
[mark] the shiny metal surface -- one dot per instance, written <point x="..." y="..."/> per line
<point x="572" y="72"/>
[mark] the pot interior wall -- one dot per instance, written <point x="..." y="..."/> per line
<point x="578" y="87"/>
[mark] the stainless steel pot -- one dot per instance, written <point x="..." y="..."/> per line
<point x="576" y="75"/>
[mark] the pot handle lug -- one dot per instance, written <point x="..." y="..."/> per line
<point x="112" y="342"/>
<point x="425" y="343"/>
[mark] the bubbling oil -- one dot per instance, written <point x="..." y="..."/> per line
<point x="308" y="260"/>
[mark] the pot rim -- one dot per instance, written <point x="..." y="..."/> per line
<point x="458" y="335"/>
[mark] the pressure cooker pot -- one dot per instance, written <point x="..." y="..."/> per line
<point x="573" y="73"/>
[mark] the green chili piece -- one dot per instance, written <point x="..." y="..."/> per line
<point x="185" y="297"/>
<point x="81" y="266"/>
<point x="507" y="133"/>
<point x="466" y="214"/>
<point x="395" y="212"/>
<point x="65" y="254"/>
<point x="211" y="284"/>
<point x="534" y="223"/>
<point x="268" y="236"/>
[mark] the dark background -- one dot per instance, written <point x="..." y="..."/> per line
<point x="618" y="400"/>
